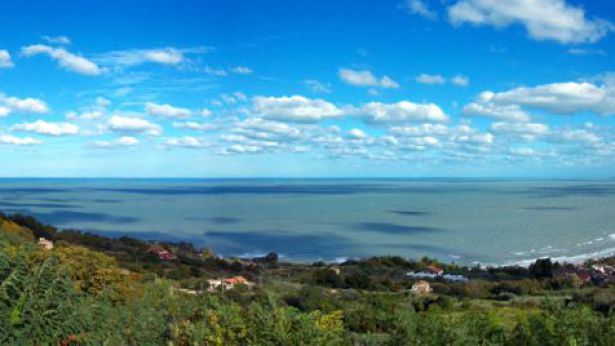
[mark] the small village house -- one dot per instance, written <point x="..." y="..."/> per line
<point x="45" y="243"/>
<point x="336" y="270"/>
<point x="228" y="283"/>
<point x="434" y="270"/>
<point x="421" y="287"/>
<point x="162" y="253"/>
<point x="584" y="276"/>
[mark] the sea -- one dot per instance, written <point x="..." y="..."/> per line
<point x="465" y="221"/>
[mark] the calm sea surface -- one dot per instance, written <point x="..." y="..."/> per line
<point x="466" y="221"/>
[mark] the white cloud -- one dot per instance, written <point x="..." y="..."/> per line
<point x="93" y="112"/>
<point x="134" y="57"/>
<point x="365" y="78"/>
<point x="241" y="149"/>
<point x="63" y="40"/>
<point x="387" y="83"/>
<point x="543" y="19"/>
<point x="267" y="130"/>
<point x="424" y="142"/>
<point x="527" y="131"/>
<point x="25" y="105"/>
<point x="460" y="80"/>
<point x="529" y="152"/>
<point x="420" y="130"/>
<point x="205" y="112"/>
<point x="233" y="98"/>
<point x="431" y="79"/>
<point x="241" y="70"/>
<point x="586" y="51"/>
<point x="574" y="135"/>
<point x="65" y="59"/>
<point x="419" y="7"/>
<point x="215" y="72"/>
<point x="357" y="134"/>
<point x="193" y="125"/>
<point x="168" y="56"/>
<point x="25" y="141"/>
<point x="490" y="110"/>
<point x="166" y="110"/>
<point x="125" y="141"/>
<point x="46" y="128"/>
<point x="317" y="87"/>
<point x="403" y="111"/>
<point x="4" y="111"/>
<point x="186" y="142"/>
<point x="559" y="98"/>
<point x="294" y="108"/>
<point x="438" y="79"/>
<point x="5" y="59"/>
<point x="119" y="123"/>
<point x="102" y="102"/>
<point x="474" y="138"/>
<point x="86" y="115"/>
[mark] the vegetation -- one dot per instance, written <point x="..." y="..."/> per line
<point x="94" y="290"/>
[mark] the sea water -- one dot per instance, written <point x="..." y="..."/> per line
<point x="465" y="221"/>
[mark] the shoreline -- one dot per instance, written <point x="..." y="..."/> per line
<point x="283" y="258"/>
<point x="251" y="254"/>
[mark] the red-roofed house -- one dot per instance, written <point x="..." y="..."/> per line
<point x="435" y="270"/>
<point x="162" y="253"/>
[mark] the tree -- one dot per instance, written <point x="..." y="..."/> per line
<point x="542" y="268"/>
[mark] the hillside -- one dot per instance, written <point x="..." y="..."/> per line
<point x="89" y="289"/>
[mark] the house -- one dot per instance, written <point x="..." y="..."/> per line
<point x="237" y="280"/>
<point x="434" y="270"/>
<point x="421" y="287"/>
<point x="584" y="276"/>
<point x="214" y="284"/>
<point x="45" y="244"/>
<point x="162" y="253"/>
<point x="598" y="268"/>
<point x="336" y="270"/>
<point x="228" y="283"/>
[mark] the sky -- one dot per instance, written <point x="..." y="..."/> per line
<point x="287" y="88"/>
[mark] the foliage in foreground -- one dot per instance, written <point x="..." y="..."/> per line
<point x="73" y="295"/>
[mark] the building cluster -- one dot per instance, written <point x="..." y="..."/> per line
<point x="228" y="283"/>
<point x="432" y="272"/>
<point x="596" y="273"/>
<point x="162" y="253"/>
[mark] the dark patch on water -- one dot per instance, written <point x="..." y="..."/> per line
<point x="148" y="235"/>
<point x="61" y="217"/>
<point x="218" y="220"/>
<point x="550" y="208"/>
<point x="223" y="220"/>
<point x="575" y="190"/>
<point x="32" y="190"/>
<point x="410" y="213"/>
<point x="292" y="189"/>
<point x="392" y="228"/>
<point x="259" y="190"/>
<point x="4" y="204"/>
<point x="107" y="200"/>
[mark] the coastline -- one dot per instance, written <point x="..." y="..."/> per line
<point x="313" y="219"/>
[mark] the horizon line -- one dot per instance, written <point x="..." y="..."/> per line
<point x="314" y="177"/>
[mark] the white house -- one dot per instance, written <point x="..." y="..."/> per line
<point x="421" y="287"/>
<point x="45" y="244"/>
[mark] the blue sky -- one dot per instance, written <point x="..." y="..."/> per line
<point x="521" y="88"/>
